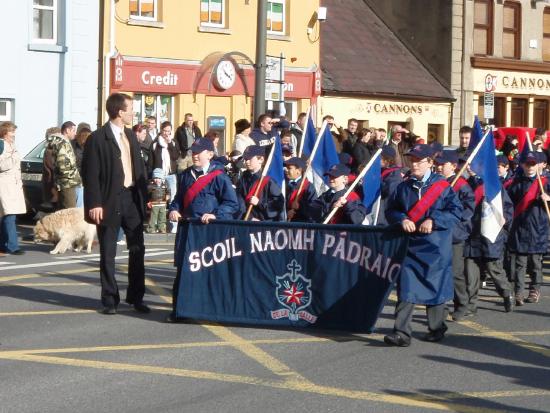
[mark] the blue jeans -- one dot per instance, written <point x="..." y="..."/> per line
<point x="79" y="197"/>
<point x="172" y="184"/>
<point x="8" y="234"/>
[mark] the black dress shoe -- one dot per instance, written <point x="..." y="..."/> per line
<point x="108" y="310"/>
<point x="142" y="308"/>
<point x="395" y="339"/>
<point x="434" y="336"/>
<point x="18" y="252"/>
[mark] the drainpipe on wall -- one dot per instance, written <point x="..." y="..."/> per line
<point x="65" y="68"/>
<point x="109" y="56"/>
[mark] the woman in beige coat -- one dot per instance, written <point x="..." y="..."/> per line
<point x="12" y="200"/>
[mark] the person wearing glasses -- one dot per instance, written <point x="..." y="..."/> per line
<point x="426" y="208"/>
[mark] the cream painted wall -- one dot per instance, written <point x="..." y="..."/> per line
<point x="179" y="36"/>
<point x="364" y="109"/>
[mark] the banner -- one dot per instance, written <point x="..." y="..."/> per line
<point x="287" y="274"/>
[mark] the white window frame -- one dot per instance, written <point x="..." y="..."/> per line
<point x="283" y="3"/>
<point x="210" y="24"/>
<point x="9" y="110"/>
<point x="54" y="8"/>
<point x="146" y="18"/>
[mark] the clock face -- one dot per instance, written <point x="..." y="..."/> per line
<point x="225" y="74"/>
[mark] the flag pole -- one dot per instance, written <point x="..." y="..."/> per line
<point x="354" y="184"/>
<point x="304" y="133"/>
<point x="311" y="156"/>
<point x="469" y="160"/>
<point x="539" y="180"/>
<point x="264" y="173"/>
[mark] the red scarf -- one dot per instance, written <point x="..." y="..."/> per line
<point x="198" y="186"/>
<point x="423" y="204"/>
<point x="336" y="218"/>
<point x="479" y="193"/>
<point x="530" y="196"/>
<point x="388" y="171"/>
<point x="295" y="195"/>
<point x="459" y="184"/>
<point x="262" y="182"/>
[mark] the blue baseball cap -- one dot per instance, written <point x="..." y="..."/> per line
<point x="529" y="157"/>
<point x="298" y="162"/>
<point x="388" y="151"/>
<point x="338" y="170"/>
<point x="286" y="148"/>
<point x="502" y="160"/>
<point x="447" y="155"/>
<point x="541" y="156"/>
<point x="421" y="151"/>
<point x="202" y="144"/>
<point x="252" y="151"/>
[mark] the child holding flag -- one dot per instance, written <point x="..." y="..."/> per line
<point x="427" y="208"/>
<point x="262" y="193"/>
<point x="528" y="239"/>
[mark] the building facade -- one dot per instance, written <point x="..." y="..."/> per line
<point x="381" y="83"/>
<point x="508" y="55"/>
<point x="197" y="57"/>
<point x="49" y="73"/>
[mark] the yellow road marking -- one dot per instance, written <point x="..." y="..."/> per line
<point x="271" y="363"/>
<point x="46" y="274"/>
<point x="68" y="284"/>
<point x="417" y="400"/>
<point x="62" y="312"/>
<point x="305" y="340"/>
<point x="488" y="332"/>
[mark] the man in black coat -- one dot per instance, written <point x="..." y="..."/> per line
<point x="115" y="189"/>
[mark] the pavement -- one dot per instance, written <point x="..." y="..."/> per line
<point x="58" y="354"/>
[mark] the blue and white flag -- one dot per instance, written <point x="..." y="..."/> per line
<point x="477" y="134"/>
<point x="275" y="168"/>
<point x="484" y="163"/>
<point x="372" y="182"/>
<point x="324" y="156"/>
<point x="308" y="138"/>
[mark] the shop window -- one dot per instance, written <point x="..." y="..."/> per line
<point x="546" y="35"/>
<point x="483" y="27"/>
<point x="6" y="109"/>
<point x="435" y="133"/>
<point x="159" y="106"/>
<point x="540" y="114"/>
<point x="44" y="19"/>
<point x="519" y="112"/>
<point x="511" y="35"/>
<point x="143" y="9"/>
<point x="276" y="17"/>
<point x="213" y="13"/>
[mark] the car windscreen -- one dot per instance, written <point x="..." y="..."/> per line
<point x="37" y="152"/>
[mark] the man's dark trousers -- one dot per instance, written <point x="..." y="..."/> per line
<point x="132" y="224"/>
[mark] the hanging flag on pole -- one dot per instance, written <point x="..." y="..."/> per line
<point x="484" y="163"/>
<point x="477" y="134"/>
<point x="371" y="189"/>
<point x="308" y="136"/>
<point x="322" y="156"/>
<point x="275" y="169"/>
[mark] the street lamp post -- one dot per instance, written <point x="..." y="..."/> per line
<point x="259" y="67"/>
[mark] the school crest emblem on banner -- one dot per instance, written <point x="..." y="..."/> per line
<point x="294" y="293"/>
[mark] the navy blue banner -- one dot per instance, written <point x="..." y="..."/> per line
<point x="287" y="274"/>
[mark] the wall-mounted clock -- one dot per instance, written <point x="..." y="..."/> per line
<point x="225" y="75"/>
